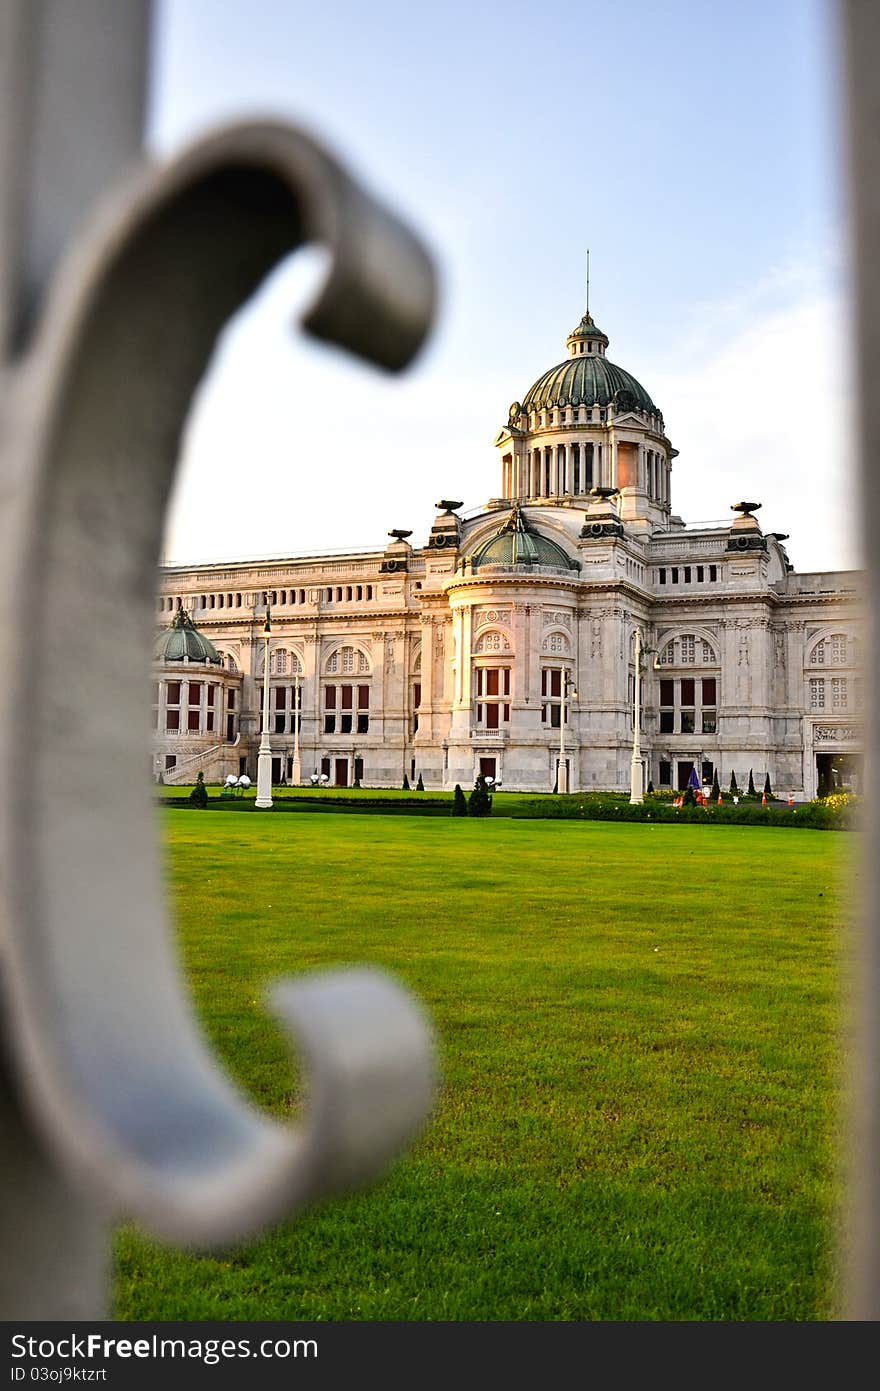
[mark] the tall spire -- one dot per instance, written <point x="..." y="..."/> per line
<point x="588" y="280"/>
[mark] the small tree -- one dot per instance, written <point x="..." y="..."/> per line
<point x="459" y="802"/>
<point x="734" y="790"/>
<point x="356" y="783"/>
<point x="199" y="794"/>
<point x="716" y="787"/>
<point x="752" y="792"/>
<point x="480" y="802"/>
<point x="768" y="791"/>
<point x="650" y="787"/>
<point x="689" y="800"/>
<point x="405" y="786"/>
<point x="420" y="786"/>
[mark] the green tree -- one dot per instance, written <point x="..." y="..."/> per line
<point x="768" y="791"/>
<point x="199" y="794"/>
<point x="716" y="787"/>
<point x="459" y="802"/>
<point x="650" y="787"/>
<point x="734" y="790"/>
<point x="405" y="786"/>
<point x="480" y="802"/>
<point x="752" y="792"/>
<point x="420" y="786"/>
<point x="689" y="800"/>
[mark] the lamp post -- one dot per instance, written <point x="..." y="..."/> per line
<point x="264" y="758"/>
<point x="568" y="693"/>
<point x="296" y="772"/>
<point x="636" y="772"/>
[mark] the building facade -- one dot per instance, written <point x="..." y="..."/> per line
<point x="506" y="643"/>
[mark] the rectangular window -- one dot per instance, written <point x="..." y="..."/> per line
<point x="209" y="722"/>
<point x="687" y="574"/>
<point x="212" y="696"/>
<point x="708" y="771"/>
<point x="195" y="693"/>
<point x="347" y="697"/>
<point x="700" y="574"/>
<point x="329" y="724"/>
<point x="687" y="721"/>
<point x="667" y="721"/>
<point x="667" y="689"/>
<point x="230" y="700"/>
<point x="358" y="769"/>
<point x="192" y="721"/>
<point x="172" y="720"/>
<point x="280" y="723"/>
<point x="675" y="574"/>
<point x="662" y="575"/>
<point x="172" y="693"/>
<point x="713" y="573"/>
<point x="838" y="693"/>
<point x="230" y="728"/>
<point x="325" y="767"/>
<point x="708" y="690"/>
<point x="709" y="722"/>
<point x="687" y="690"/>
<point x="329" y="697"/>
<point x="838" y="650"/>
<point x="364" y="697"/>
<point x="555" y="716"/>
<point x="345" y="724"/>
<point x="688" y="650"/>
<point x="665" y="773"/>
<point x="817" y="693"/>
<point x="363" y="723"/>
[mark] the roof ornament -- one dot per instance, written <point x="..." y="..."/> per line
<point x="445" y="505"/>
<point x="746" y="508"/>
<point x="399" y="534"/>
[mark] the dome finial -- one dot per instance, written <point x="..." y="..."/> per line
<point x="588" y="282"/>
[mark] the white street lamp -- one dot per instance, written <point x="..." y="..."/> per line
<point x="296" y="773"/>
<point x="567" y="695"/>
<point x="637" y="769"/>
<point x="264" y="758"/>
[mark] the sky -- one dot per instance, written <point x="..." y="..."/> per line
<point x="694" y="148"/>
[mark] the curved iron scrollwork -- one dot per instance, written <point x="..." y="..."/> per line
<point x="114" y="1104"/>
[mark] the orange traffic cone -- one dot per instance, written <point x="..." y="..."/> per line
<point x="791" y="799"/>
<point x="719" y="799"/>
<point x="763" y="799"/>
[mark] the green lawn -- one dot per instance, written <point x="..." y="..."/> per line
<point x="638" y="1036"/>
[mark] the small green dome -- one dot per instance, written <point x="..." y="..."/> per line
<point x="587" y="329"/>
<point x="518" y="544"/>
<point x="590" y="380"/>
<point x="183" y="640"/>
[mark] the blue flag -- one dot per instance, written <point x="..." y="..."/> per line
<point x="693" y="780"/>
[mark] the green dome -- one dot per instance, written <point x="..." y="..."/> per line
<point x="587" y="328"/>
<point x="518" y="544"/>
<point x="588" y="380"/>
<point x="182" y="640"/>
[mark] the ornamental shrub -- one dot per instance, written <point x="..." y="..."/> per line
<point x="405" y="784"/>
<point x="734" y="790"/>
<point x="751" y="792"/>
<point x="768" y="791"/>
<point x="650" y="788"/>
<point x="689" y="800"/>
<point x="420" y="786"/>
<point x="716" y="787"/>
<point x="199" y="794"/>
<point x="459" y="802"/>
<point x="480" y="802"/>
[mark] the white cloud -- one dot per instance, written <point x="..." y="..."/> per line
<point x="759" y="404"/>
<point x="293" y="447"/>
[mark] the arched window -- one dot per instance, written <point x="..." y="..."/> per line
<point x="348" y="661"/>
<point x="557" y="644"/>
<point x="493" y="641"/>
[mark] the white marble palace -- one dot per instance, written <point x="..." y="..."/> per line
<point x="506" y="642"/>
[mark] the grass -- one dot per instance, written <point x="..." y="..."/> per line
<point x="638" y="1028"/>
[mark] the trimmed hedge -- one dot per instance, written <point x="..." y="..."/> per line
<point x="836" y="815"/>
